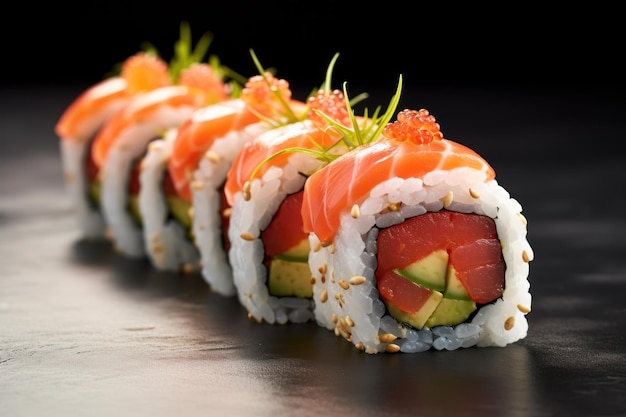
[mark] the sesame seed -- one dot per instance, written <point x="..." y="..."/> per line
<point x="154" y="145"/>
<point x="197" y="185"/>
<point x="212" y="156"/>
<point x="359" y="346"/>
<point x="349" y="321"/>
<point x="247" y="236"/>
<point x="357" y="280"/>
<point x="317" y="247"/>
<point x="345" y="333"/>
<point x="334" y="318"/>
<point x="246" y="190"/>
<point x="447" y="199"/>
<point x="355" y="212"/>
<point x="343" y="284"/>
<point x="522" y="218"/>
<point x="525" y="256"/>
<point x="509" y="323"/>
<point x="324" y="296"/>
<point x="523" y="308"/>
<point x="342" y="323"/>
<point x="474" y="193"/>
<point x="312" y="280"/>
<point x="227" y="212"/>
<point x="386" y="337"/>
<point x="392" y="348"/>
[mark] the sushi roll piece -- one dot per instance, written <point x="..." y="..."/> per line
<point x="165" y="214"/>
<point x="120" y="146"/>
<point x="203" y="151"/>
<point x="415" y="245"/>
<point x="167" y="240"/>
<point x="268" y="246"/>
<point x="83" y="119"/>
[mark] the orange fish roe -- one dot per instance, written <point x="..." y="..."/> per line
<point x="419" y="127"/>
<point x="266" y="94"/>
<point x="144" y="72"/>
<point x="333" y="105"/>
<point x="205" y="78"/>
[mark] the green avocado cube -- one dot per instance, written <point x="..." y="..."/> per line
<point x="451" y="312"/>
<point x="290" y="278"/>
<point x="429" y="272"/>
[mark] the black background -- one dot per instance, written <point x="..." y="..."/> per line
<point x="526" y="46"/>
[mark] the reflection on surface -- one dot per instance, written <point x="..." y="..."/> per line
<point x="303" y="366"/>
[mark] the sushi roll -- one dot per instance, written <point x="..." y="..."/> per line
<point x="83" y="119"/>
<point x="264" y="189"/>
<point x="166" y="221"/>
<point x="121" y="144"/>
<point x="423" y="249"/>
<point x="119" y="147"/>
<point x="268" y="249"/>
<point x="203" y="151"/>
<point x="167" y="241"/>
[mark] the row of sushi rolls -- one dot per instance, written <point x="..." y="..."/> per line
<point x="377" y="228"/>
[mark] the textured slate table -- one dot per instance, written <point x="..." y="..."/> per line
<point x="84" y="331"/>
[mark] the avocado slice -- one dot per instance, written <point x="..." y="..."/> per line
<point x="93" y="193"/>
<point x="450" y="302"/>
<point x="454" y="287"/>
<point x="179" y="209"/>
<point x="289" y="272"/>
<point x="133" y="205"/>
<point x="417" y="320"/>
<point x="429" y="272"/>
<point x="450" y="312"/>
<point x="290" y="278"/>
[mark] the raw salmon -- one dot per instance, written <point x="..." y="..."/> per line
<point x="348" y="180"/>
<point x="155" y="111"/>
<point x="258" y="102"/>
<point x="84" y="116"/>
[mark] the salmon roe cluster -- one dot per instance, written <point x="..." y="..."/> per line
<point x="203" y="77"/>
<point x="261" y="93"/>
<point x="332" y="105"/>
<point x="145" y="72"/>
<point x="418" y="126"/>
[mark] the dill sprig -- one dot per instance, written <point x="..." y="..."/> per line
<point x="352" y="137"/>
